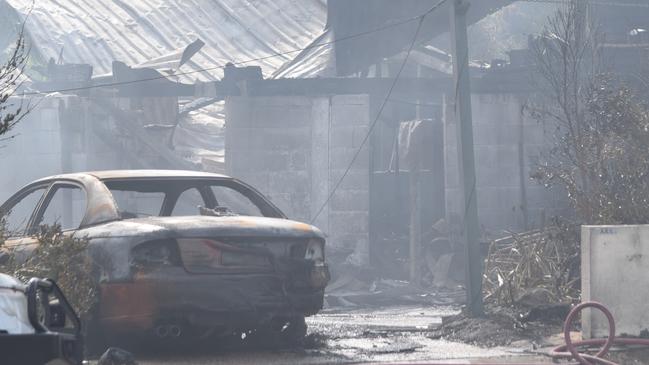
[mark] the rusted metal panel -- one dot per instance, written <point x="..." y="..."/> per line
<point x="129" y="306"/>
<point x="170" y="295"/>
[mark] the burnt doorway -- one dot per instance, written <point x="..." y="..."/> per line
<point x="406" y="186"/>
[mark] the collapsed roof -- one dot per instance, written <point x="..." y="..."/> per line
<point x="155" y="32"/>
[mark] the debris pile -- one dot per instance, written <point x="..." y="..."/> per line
<point x="352" y="288"/>
<point x="501" y="326"/>
<point x="531" y="279"/>
<point x="534" y="269"/>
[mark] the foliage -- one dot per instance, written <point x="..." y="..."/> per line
<point x="599" y="134"/>
<point x="600" y="129"/>
<point x="63" y="258"/>
<point x="607" y="182"/>
<point x="545" y="259"/>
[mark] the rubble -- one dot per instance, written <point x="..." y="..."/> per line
<point x="502" y="326"/>
<point x="350" y="291"/>
<point x="534" y="268"/>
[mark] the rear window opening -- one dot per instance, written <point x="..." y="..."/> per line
<point x="138" y="198"/>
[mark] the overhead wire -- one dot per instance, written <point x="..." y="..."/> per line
<point x="380" y="111"/>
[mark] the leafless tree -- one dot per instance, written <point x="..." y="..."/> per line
<point x="599" y="128"/>
<point x="11" y="78"/>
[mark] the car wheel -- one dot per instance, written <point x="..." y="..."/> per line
<point x="280" y="333"/>
<point x="294" y="331"/>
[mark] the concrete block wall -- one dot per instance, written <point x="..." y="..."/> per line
<point x="295" y="150"/>
<point x="34" y="150"/>
<point x="504" y="138"/>
<point x="268" y="144"/>
<point x="56" y="137"/>
<point x="348" y="210"/>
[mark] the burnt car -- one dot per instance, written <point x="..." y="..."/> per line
<point x="180" y="253"/>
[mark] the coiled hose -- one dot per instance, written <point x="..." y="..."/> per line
<point x="569" y="350"/>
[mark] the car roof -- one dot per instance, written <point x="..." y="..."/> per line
<point x="136" y="174"/>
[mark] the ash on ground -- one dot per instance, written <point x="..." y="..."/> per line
<point x="503" y="326"/>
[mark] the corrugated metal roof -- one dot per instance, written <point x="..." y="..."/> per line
<point x="136" y="32"/>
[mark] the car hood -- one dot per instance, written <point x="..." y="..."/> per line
<point x="204" y="226"/>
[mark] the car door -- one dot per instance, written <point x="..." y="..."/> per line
<point x="64" y="205"/>
<point x="17" y="215"/>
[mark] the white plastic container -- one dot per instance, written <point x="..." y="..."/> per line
<point x="615" y="272"/>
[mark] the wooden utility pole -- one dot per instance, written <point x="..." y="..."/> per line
<point x="466" y="157"/>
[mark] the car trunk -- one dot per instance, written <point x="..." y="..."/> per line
<point x="221" y="245"/>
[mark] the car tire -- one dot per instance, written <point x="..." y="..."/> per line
<point x="294" y="331"/>
<point x="280" y="333"/>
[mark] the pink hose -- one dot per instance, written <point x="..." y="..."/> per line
<point x="569" y="350"/>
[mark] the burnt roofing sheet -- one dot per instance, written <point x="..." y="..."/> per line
<point x="97" y="32"/>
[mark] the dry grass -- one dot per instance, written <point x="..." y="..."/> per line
<point x="544" y="260"/>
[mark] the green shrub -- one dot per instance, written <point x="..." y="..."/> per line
<point x="61" y="257"/>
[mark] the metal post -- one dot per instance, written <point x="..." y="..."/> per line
<point x="466" y="158"/>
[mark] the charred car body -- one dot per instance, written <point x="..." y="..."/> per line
<point x="181" y="253"/>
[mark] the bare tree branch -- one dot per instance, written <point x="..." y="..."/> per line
<point x="11" y="79"/>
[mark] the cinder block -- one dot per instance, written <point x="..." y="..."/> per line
<point x="271" y="161"/>
<point x="300" y="160"/>
<point x="349" y="115"/>
<point x="43" y="142"/>
<point x="340" y="158"/>
<point x="496" y="134"/>
<point x="289" y="182"/>
<point x="281" y="117"/>
<point x="260" y="180"/>
<point x="238" y="112"/>
<point x="350" y="110"/>
<point x="282" y="101"/>
<point x="239" y="138"/>
<point x="287" y="139"/>
<point x="342" y="136"/>
<point x="300" y="206"/>
<point x="346" y="242"/>
<point x="350" y="200"/>
<point x="359" y="99"/>
<point x="503" y="174"/>
<point x="356" y="179"/>
<point x="282" y="201"/>
<point x="47" y="119"/>
<point x="349" y="222"/>
<point x="348" y="136"/>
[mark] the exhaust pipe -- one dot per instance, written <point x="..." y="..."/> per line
<point x="175" y="331"/>
<point x="162" y="331"/>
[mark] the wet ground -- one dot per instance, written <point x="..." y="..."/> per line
<point x="389" y="335"/>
